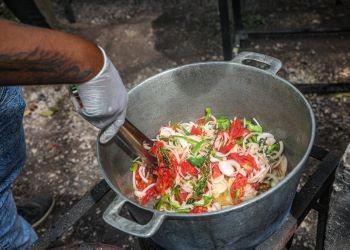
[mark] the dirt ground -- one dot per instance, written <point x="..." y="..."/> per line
<point x="146" y="37"/>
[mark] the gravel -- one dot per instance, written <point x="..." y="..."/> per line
<point x="146" y="37"/>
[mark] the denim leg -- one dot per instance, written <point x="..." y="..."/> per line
<point x="15" y="232"/>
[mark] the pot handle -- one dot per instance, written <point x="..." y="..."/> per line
<point x="274" y="63"/>
<point x="112" y="216"/>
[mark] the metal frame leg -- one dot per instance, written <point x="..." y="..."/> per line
<point x="237" y="17"/>
<point x="225" y="29"/>
<point x="237" y="26"/>
<point x="322" y="216"/>
<point x="68" y="11"/>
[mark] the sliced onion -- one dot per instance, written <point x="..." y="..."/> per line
<point x="216" y="205"/>
<point x="235" y="164"/>
<point x="183" y="143"/>
<point x="284" y="163"/>
<point x="218" y="179"/>
<point x="187" y="188"/>
<point x="218" y="142"/>
<point x="264" y="136"/>
<point x="134" y="180"/>
<point x="282" y="169"/>
<point x="280" y="151"/>
<point x="247" y="137"/>
<point x="256" y="122"/>
<point x="253" y="148"/>
<point x="213" y="159"/>
<point x="166" y="132"/>
<point x="226" y="167"/>
<point x="277" y="163"/>
<point x="259" y="176"/>
<point x="223" y="155"/>
<point x="146" y="146"/>
<point x="195" y="137"/>
<point x="219" y="188"/>
<point x="226" y="138"/>
<point x="143" y="192"/>
<point x="176" y="154"/>
<point x="184" y="154"/>
<point x="249" y="192"/>
<point x="142" y="174"/>
<point x="270" y="141"/>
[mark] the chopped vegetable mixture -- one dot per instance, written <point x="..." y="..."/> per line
<point x="209" y="164"/>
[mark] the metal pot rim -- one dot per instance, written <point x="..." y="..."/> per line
<point x="243" y="204"/>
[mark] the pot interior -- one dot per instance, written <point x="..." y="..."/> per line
<point x="229" y="89"/>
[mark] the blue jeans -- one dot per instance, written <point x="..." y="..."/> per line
<point x="15" y="232"/>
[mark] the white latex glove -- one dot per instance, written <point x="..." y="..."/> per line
<point x="103" y="100"/>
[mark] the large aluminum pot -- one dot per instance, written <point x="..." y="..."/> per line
<point x="233" y="89"/>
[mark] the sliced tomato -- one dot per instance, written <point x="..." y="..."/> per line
<point x="237" y="130"/>
<point x="187" y="168"/>
<point x="225" y="149"/>
<point x="140" y="184"/>
<point x="237" y="188"/>
<point x="215" y="170"/>
<point x="246" y="161"/>
<point x="196" y="131"/>
<point x="240" y="181"/>
<point x="182" y="196"/>
<point x="255" y="185"/>
<point x="165" y="179"/>
<point x="199" y="210"/>
<point x="201" y="121"/>
<point x="149" y="195"/>
<point x="156" y="146"/>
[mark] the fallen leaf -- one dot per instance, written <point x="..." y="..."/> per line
<point x="26" y="112"/>
<point x="49" y="112"/>
<point x="46" y="113"/>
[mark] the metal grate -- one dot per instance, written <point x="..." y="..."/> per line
<point x="313" y="195"/>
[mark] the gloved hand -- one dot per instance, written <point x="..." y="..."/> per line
<point x="102" y="100"/>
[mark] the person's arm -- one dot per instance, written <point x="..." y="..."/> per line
<point x="31" y="55"/>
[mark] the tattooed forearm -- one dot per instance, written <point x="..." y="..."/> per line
<point x="41" y="67"/>
<point x="31" y="55"/>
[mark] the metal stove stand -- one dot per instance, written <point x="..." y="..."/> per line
<point x="233" y="35"/>
<point x="315" y="194"/>
<point x="239" y="33"/>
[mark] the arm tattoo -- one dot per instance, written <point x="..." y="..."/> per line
<point x="40" y="66"/>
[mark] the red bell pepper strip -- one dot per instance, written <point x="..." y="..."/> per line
<point x="182" y="196"/>
<point x="199" y="210"/>
<point x="246" y="161"/>
<point x="187" y="168"/>
<point x="237" y="130"/>
<point x="225" y="149"/>
<point x="196" y="131"/>
<point x="156" y="146"/>
<point x="165" y="179"/>
<point x="215" y="170"/>
<point x="237" y="188"/>
<point x="149" y="195"/>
